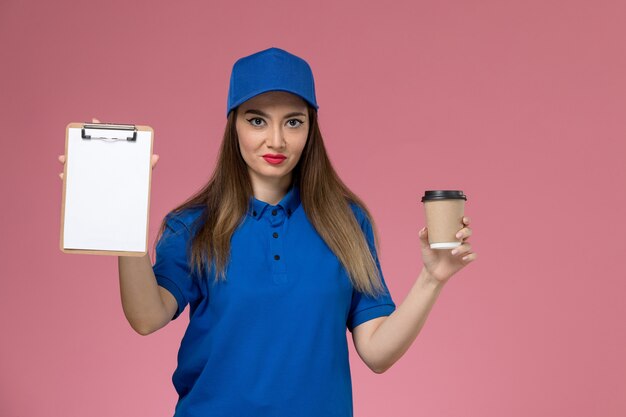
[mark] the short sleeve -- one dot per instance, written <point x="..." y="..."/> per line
<point x="171" y="269"/>
<point x="364" y="307"/>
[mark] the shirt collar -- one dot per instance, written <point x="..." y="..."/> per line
<point x="289" y="203"/>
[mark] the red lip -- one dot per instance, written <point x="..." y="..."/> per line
<point x="274" y="159"/>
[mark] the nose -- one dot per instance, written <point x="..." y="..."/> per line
<point x="276" y="138"/>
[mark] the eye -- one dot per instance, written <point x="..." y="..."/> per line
<point x="254" y="119"/>
<point x="299" y="122"/>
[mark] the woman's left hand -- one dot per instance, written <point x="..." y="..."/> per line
<point x="441" y="264"/>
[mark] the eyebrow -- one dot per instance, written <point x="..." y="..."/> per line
<point x="261" y="113"/>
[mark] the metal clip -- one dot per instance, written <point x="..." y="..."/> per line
<point x="109" y="126"/>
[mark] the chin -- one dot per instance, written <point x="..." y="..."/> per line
<point x="273" y="172"/>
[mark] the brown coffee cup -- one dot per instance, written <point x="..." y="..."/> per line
<point x="444" y="217"/>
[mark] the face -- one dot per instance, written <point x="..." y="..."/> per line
<point x="276" y="124"/>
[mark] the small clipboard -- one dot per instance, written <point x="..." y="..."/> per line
<point x="106" y="189"/>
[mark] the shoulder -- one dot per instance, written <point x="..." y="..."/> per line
<point x="360" y="213"/>
<point x="365" y="220"/>
<point x="185" y="220"/>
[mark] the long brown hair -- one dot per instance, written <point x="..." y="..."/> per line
<point x="324" y="198"/>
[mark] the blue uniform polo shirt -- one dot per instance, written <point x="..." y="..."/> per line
<point x="271" y="340"/>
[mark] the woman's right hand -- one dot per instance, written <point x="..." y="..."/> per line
<point x="61" y="158"/>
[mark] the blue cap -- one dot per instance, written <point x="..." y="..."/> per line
<point x="270" y="70"/>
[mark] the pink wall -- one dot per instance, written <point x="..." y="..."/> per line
<point x="519" y="104"/>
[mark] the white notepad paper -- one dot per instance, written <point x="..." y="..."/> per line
<point x="107" y="191"/>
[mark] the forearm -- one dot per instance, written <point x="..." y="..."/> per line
<point x="141" y="299"/>
<point x="395" y="335"/>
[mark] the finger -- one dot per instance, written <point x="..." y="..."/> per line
<point x="61" y="175"/>
<point x="62" y="159"/>
<point x="423" y="235"/>
<point x="469" y="257"/>
<point x="464" y="233"/>
<point x="466" y="220"/>
<point x="94" y="120"/>
<point x="461" y="250"/>
<point x="155" y="159"/>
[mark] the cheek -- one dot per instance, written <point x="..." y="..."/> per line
<point x="246" y="152"/>
<point x="246" y="142"/>
<point x="243" y="149"/>
<point x="301" y="144"/>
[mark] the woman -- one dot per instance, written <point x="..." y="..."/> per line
<point x="276" y="258"/>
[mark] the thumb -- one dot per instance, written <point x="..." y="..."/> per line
<point x="423" y="235"/>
